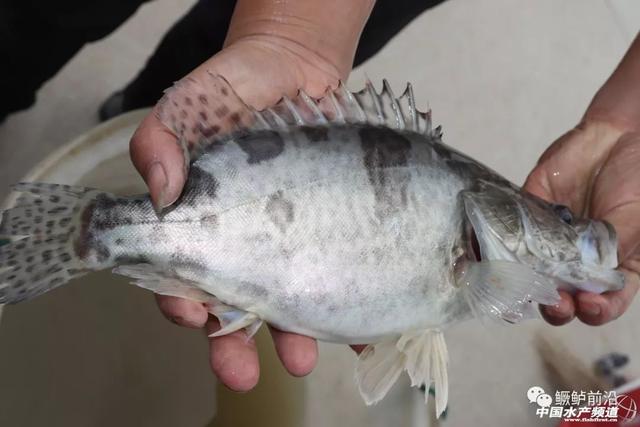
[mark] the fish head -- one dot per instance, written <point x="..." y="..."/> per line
<point x="516" y="226"/>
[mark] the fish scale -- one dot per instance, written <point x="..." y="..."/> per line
<point x="345" y="219"/>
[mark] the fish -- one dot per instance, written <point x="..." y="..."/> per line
<point x="344" y="218"/>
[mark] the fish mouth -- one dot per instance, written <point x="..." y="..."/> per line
<point x="598" y="243"/>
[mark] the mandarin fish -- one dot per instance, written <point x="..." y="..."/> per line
<point x="344" y="218"/>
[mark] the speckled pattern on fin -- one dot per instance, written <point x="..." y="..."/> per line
<point x="42" y="227"/>
<point x="203" y="112"/>
<point x="423" y="354"/>
<point x="231" y="319"/>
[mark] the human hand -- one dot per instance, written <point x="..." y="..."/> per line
<point x="593" y="169"/>
<point x="261" y="70"/>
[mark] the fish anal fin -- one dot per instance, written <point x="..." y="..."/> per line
<point x="378" y="368"/>
<point x="161" y="282"/>
<point x="233" y="319"/>
<point x="423" y="354"/>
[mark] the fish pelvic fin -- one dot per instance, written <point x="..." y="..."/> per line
<point x="505" y="290"/>
<point x="207" y="111"/>
<point x="167" y="283"/>
<point x="41" y="229"/>
<point x="422" y="354"/>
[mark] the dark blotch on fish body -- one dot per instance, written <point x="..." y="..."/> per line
<point x="157" y="234"/>
<point x="102" y="214"/>
<point x="131" y="259"/>
<point x="261" y="146"/>
<point x="199" y="184"/>
<point x="209" y="221"/>
<point x="252" y="289"/>
<point x="315" y="133"/>
<point x="106" y="213"/>
<point x="385" y="150"/>
<point x="280" y="211"/>
<point x="102" y="252"/>
<point x="186" y="262"/>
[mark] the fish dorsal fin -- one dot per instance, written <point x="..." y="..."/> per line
<point x="205" y="111"/>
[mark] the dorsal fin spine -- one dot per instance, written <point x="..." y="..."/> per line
<point x="362" y="116"/>
<point x="375" y="99"/>
<point x="339" y="114"/>
<point x="293" y="110"/>
<point x="408" y="92"/>
<point x="319" y="117"/>
<point x="203" y="111"/>
<point x="279" y="121"/>
<point x="395" y="105"/>
<point x="262" y="123"/>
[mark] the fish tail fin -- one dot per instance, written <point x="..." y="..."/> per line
<point x="39" y="231"/>
<point x="422" y="354"/>
<point x="506" y="290"/>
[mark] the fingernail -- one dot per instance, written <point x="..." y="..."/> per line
<point x="157" y="182"/>
<point x="590" y="309"/>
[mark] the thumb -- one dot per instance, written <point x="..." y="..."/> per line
<point x="159" y="159"/>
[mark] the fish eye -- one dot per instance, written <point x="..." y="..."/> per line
<point x="564" y="213"/>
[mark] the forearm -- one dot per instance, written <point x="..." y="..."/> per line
<point x="329" y="29"/>
<point x="618" y="101"/>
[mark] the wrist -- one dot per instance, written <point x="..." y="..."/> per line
<point x="262" y="69"/>
<point x="326" y="33"/>
<point x="610" y="118"/>
<point x="618" y="101"/>
<point x="599" y="131"/>
<point x="605" y="112"/>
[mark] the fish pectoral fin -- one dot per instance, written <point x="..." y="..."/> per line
<point x="422" y="354"/>
<point x="506" y="290"/>
<point x="165" y="283"/>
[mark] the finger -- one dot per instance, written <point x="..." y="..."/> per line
<point x="159" y="159"/>
<point x="183" y="312"/>
<point x="596" y="309"/>
<point x="297" y="353"/>
<point x="233" y="358"/>
<point x="561" y="313"/>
